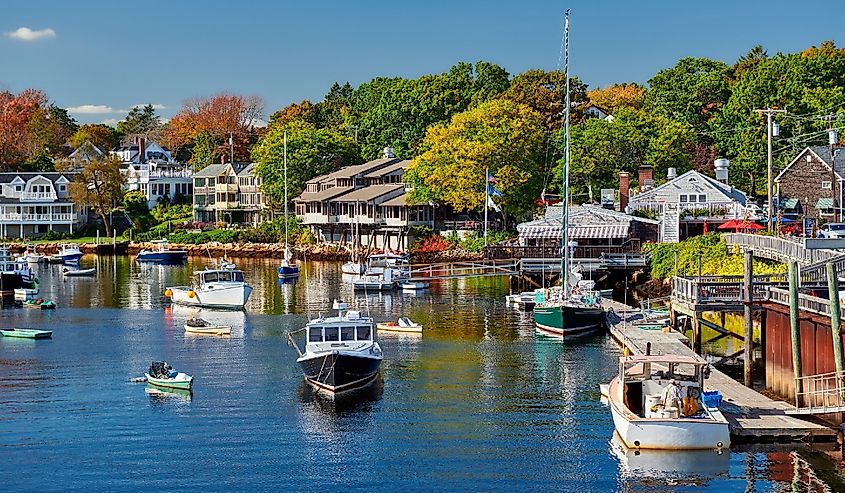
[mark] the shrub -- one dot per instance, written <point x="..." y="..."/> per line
<point x="433" y="243"/>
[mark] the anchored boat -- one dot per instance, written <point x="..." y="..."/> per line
<point x="656" y="403"/>
<point x="162" y="374"/>
<point x="78" y="272"/>
<point x="68" y="254"/>
<point x="27" y="333"/>
<point x="288" y="269"/>
<point x="216" y="288"/>
<point x="341" y="353"/>
<point x="404" y="324"/>
<point x="162" y="254"/>
<point x="200" y="326"/>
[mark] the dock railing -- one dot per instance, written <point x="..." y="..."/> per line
<point x="820" y="394"/>
<point x="719" y="289"/>
<point x="780" y="248"/>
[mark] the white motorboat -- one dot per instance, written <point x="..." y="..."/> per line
<point x="353" y="268"/>
<point x="648" y="415"/>
<point x="14" y="273"/>
<point x="25" y="294"/>
<point x="68" y="254"/>
<point x="341" y="353"/>
<point x="404" y="324"/>
<point x="409" y="285"/>
<point x="78" y="272"/>
<point x="199" y="326"/>
<point x="220" y="288"/>
<point x="375" y="282"/>
<point x="31" y="256"/>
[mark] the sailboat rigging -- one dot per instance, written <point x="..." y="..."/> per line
<point x="287" y="270"/>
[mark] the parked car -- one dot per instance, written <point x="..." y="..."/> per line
<point x="832" y="230"/>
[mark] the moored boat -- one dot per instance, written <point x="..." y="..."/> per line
<point x="39" y="304"/>
<point x="404" y="324"/>
<point x="353" y="268"/>
<point x="25" y="294"/>
<point x="162" y="374"/>
<point x="200" y="326"/>
<point x="68" y="254"/>
<point x="162" y="254"/>
<point x="78" y="272"/>
<point x="27" y="333"/>
<point x="341" y="353"/>
<point x="409" y="285"/>
<point x="14" y="273"/>
<point x="217" y="288"/>
<point x="656" y="403"/>
<point x="288" y="269"/>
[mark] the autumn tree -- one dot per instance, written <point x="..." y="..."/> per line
<point x="312" y="151"/>
<point x="212" y="120"/>
<point x="99" y="185"/>
<point x="545" y="93"/>
<point x="617" y="96"/>
<point x="501" y="135"/>
<point x="102" y="136"/>
<point x="30" y="126"/>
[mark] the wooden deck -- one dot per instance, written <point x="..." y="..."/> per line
<point x="751" y="415"/>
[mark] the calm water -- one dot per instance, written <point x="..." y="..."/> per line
<point x="478" y="403"/>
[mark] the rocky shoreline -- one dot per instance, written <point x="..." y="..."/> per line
<point x="322" y="251"/>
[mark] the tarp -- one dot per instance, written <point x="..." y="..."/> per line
<point x="545" y="231"/>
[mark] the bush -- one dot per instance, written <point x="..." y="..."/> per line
<point x="715" y="259"/>
<point x="433" y="243"/>
<point x="164" y="212"/>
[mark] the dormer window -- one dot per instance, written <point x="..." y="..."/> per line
<point x="19" y="188"/>
<point x="62" y="188"/>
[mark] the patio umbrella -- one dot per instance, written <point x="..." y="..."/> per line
<point x="732" y="224"/>
<point x="751" y="225"/>
<point x="705" y="226"/>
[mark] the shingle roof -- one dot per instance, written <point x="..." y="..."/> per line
<point x="211" y="170"/>
<point x="388" y="169"/>
<point x="322" y="195"/>
<point x="9" y="177"/>
<point x="401" y="200"/>
<point x="369" y="193"/>
<point x="350" y="171"/>
<point x="248" y="170"/>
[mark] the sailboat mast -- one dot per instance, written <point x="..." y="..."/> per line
<point x="565" y="260"/>
<point x="285" y="140"/>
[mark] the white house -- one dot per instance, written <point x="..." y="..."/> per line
<point x="158" y="175"/>
<point x="32" y="204"/>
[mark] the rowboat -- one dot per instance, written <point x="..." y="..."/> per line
<point x="27" y="333"/>
<point x="200" y="326"/>
<point x="79" y="272"/>
<point x="39" y="304"/>
<point x="413" y="285"/>
<point x="163" y="375"/>
<point x="403" y="325"/>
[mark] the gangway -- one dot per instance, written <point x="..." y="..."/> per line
<point x="820" y="394"/>
<point x="458" y="270"/>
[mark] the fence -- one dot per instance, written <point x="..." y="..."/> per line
<point x="820" y="394"/>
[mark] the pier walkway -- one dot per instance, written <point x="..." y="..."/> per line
<point x="751" y="415"/>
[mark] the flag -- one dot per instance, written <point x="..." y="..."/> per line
<point x="492" y="204"/>
<point x="491" y="190"/>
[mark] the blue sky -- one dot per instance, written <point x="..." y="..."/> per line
<point x="102" y="57"/>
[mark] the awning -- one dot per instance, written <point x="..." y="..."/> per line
<point x="789" y="203"/>
<point x="824" y="203"/>
<point x="547" y="231"/>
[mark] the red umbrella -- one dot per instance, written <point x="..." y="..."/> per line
<point x="752" y="226"/>
<point x="732" y="224"/>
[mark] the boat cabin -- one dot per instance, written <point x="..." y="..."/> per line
<point x="342" y="331"/>
<point x="646" y="377"/>
<point x="207" y="277"/>
<point x="336" y="333"/>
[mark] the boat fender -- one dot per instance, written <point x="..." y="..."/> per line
<point x="168" y="292"/>
<point x="192" y="294"/>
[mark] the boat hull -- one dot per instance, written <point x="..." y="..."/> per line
<point x="169" y="383"/>
<point x="217" y="330"/>
<point x="172" y="257"/>
<point x="373" y="285"/>
<point x="27" y="334"/>
<point x="10" y="281"/>
<point x="353" y="268"/>
<point x="69" y="258"/>
<point x="400" y="328"/>
<point x="339" y="371"/>
<point x="228" y="297"/>
<point x="566" y="320"/>
<point x="665" y="433"/>
<point x="288" y="271"/>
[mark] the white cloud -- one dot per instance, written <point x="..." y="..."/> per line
<point x="112" y="122"/>
<point x="156" y="106"/>
<point x="27" y="34"/>
<point x="92" y="109"/>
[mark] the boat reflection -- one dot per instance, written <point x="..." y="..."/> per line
<point x="668" y="467"/>
<point x="353" y="401"/>
<point x="163" y="395"/>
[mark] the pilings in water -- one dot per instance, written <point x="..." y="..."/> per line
<point x="748" y="298"/>
<point x="795" y="328"/>
<point x="835" y="316"/>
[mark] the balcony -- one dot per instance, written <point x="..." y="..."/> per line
<point x="38" y="196"/>
<point x="226" y="188"/>
<point x="37" y="218"/>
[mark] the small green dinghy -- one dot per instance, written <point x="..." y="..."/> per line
<point x="27" y="333"/>
<point x="161" y="374"/>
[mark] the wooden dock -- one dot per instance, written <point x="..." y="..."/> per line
<point x="751" y="415"/>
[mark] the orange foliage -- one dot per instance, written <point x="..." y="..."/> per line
<point x="616" y="96"/>
<point x="16" y="134"/>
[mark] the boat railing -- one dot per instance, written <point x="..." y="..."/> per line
<point x="292" y="342"/>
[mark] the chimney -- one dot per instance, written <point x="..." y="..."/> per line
<point x="624" y="190"/>
<point x="646" y="178"/>
<point x="142" y="150"/>
<point x="222" y="159"/>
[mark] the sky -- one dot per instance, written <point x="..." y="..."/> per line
<point x="100" y="58"/>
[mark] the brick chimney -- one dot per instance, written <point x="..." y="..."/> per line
<point x="142" y="150"/>
<point x="645" y="176"/>
<point x="624" y="190"/>
<point x="222" y="159"/>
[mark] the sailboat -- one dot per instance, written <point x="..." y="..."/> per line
<point x="287" y="270"/>
<point x="355" y="266"/>
<point x="575" y="308"/>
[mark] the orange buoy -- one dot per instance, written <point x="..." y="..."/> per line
<point x="168" y="292"/>
<point x="191" y="294"/>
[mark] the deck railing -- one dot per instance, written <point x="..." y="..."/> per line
<point x="820" y="394"/>
<point x="631" y="246"/>
<point x="782" y="249"/>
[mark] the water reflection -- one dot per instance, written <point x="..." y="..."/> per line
<point x="161" y="396"/>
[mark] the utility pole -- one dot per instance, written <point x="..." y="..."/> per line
<point x="769" y="112"/>
<point x="832" y="139"/>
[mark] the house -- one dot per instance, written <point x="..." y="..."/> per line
<point x="595" y="111"/>
<point x="142" y="151"/>
<point x="594" y="228"/>
<point x="151" y="169"/>
<point x="227" y="193"/>
<point x="806" y="186"/>
<point x="32" y="204"/>
<point x="85" y="153"/>
<point x="369" y="198"/>
<point x="688" y="204"/>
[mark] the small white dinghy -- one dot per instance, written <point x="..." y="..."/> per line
<point x="413" y="285"/>
<point x="200" y="326"/>
<point x="78" y="272"/>
<point x="25" y="294"/>
<point x="404" y="324"/>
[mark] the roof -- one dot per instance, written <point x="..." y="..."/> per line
<point x="389" y="169"/>
<point x="824" y="203"/>
<point x="789" y="203"/>
<point x="727" y="190"/>
<point x="211" y="170"/>
<point x="578" y="213"/>
<point x="248" y="170"/>
<point x="369" y="193"/>
<point x="350" y="171"/>
<point x="823" y="153"/>
<point x="401" y="200"/>
<point x="52" y="176"/>
<point x="584" y="222"/>
<point x="322" y="195"/>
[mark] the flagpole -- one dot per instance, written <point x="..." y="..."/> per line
<point x="486" y="200"/>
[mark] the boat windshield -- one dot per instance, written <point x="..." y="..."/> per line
<point x="225" y="276"/>
<point x="364" y="333"/>
<point x="331" y="333"/>
<point x="237" y="276"/>
<point x="315" y="334"/>
<point x="347" y="333"/>
<point x="663" y="371"/>
<point x="209" y="277"/>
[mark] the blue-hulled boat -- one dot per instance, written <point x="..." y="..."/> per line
<point x="69" y="254"/>
<point x="162" y="254"/>
<point x="287" y="270"/>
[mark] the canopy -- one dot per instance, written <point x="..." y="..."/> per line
<point x="539" y="231"/>
<point x="738" y="225"/>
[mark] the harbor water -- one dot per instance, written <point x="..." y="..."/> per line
<point x="478" y="402"/>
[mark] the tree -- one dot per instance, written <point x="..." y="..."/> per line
<point x="140" y="120"/>
<point x="617" y="96"/>
<point x="311" y="152"/>
<point x="545" y="93"/>
<point x="213" y="120"/>
<point x="16" y="135"/>
<point x="102" y="136"/>
<point x="100" y="186"/>
<point x="501" y="135"/>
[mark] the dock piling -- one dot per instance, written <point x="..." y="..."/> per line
<point x="795" y="329"/>
<point x="835" y="316"/>
<point x="748" y="341"/>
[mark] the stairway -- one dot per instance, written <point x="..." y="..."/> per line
<point x="669" y="223"/>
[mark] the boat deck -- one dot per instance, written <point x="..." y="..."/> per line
<point x="751" y="416"/>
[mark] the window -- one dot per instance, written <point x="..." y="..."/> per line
<point x="702" y="198"/>
<point x="315" y="334"/>
<point x="199" y="182"/>
<point x="363" y="333"/>
<point x="238" y="276"/>
<point x="19" y="188"/>
<point x="826" y="185"/>
<point x="331" y="333"/>
<point x="347" y="333"/>
<point x="225" y="276"/>
<point x="210" y="277"/>
<point x="683" y="198"/>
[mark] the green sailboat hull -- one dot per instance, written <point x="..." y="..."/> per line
<point x="568" y="320"/>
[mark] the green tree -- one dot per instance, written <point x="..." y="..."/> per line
<point x="311" y="152"/>
<point x="545" y="92"/>
<point x="140" y="120"/>
<point x="501" y="135"/>
<point x="102" y="136"/>
<point x="206" y="150"/>
<point x="100" y="186"/>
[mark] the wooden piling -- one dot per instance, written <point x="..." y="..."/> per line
<point x="795" y="329"/>
<point x="835" y="316"/>
<point x="748" y="342"/>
